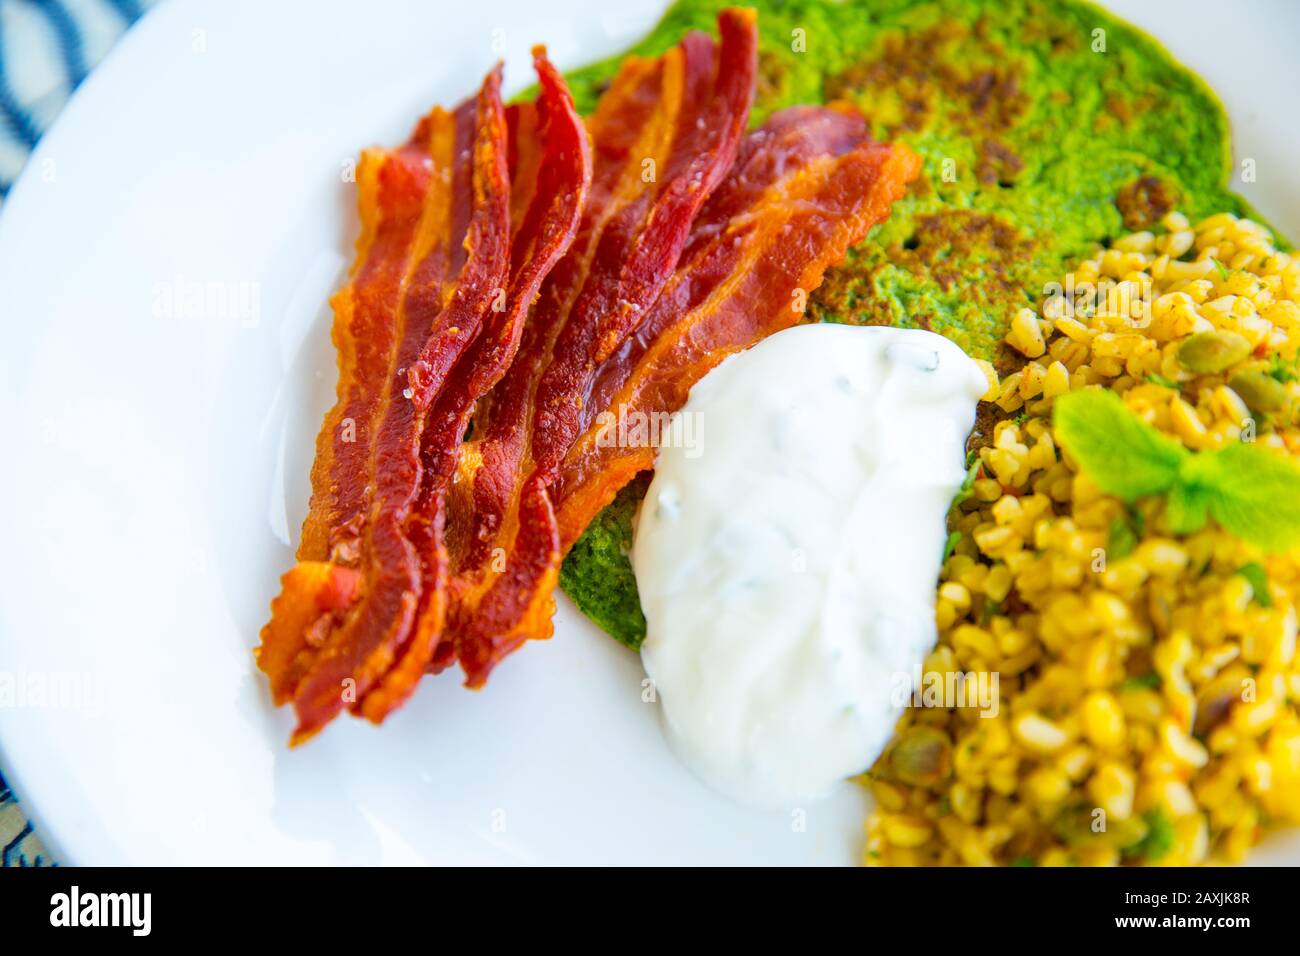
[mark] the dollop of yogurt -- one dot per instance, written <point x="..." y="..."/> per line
<point x="787" y="559"/>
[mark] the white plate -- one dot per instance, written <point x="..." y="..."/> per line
<point x="154" y="471"/>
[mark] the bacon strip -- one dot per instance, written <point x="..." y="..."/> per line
<point x="392" y="186"/>
<point x="663" y="136"/>
<point x="807" y="186"/>
<point x="311" y="593"/>
<point x="635" y="261"/>
<point x="550" y="177"/>
<point x="391" y="190"/>
<point x="460" y="262"/>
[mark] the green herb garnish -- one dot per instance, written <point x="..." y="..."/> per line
<point x="1254" y="573"/>
<point x="1125" y="456"/>
<point x="1142" y="682"/>
<point x="1252" y="493"/>
<point x="951" y="543"/>
<point x="967" y="486"/>
<point x="1284" y="371"/>
<point x="1220" y="268"/>
<point x="1160" y="380"/>
<point x="1023" y="861"/>
<point x="1123" y="539"/>
<point x="1159" y="839"/>
<point x="1137" y="520"/>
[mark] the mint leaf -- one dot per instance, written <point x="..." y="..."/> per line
<point x="1124" y="455"/>
<point x="1186" y="508"/>
<point x="1122" y="539"/>
<point x="1253" y="493"/>
<point x="1254" y="573"/>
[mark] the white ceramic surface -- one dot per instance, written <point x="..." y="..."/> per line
<point x="155" y="462"/>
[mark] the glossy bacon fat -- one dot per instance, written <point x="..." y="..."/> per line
<point x="531" y="282"/>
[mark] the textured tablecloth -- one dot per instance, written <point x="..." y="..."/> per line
<point x="46" y="48"/>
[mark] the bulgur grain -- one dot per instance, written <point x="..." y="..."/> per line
<point x="1149" y="686"/>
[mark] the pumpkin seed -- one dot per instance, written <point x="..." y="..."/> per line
<point x="922" y="756"/>
<point x="1262" y="392"/>
<point x="1207" y="352"/>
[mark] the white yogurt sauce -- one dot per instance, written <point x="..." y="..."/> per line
<point x="787" y="564"/>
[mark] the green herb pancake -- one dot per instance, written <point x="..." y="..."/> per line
<point x="1047" y="127"/>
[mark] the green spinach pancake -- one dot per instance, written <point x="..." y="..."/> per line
<point x="1047" y="127"/>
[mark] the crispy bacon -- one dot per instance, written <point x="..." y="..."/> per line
<point x="550" y="176"/>
<point x="391" y="189"/>
<point x="311" y="594"/>
<point x="392" y="186"/>
<point x="459" y="262"/>
<point x="639" y="250"/>
<point x="807" y="186"/>
<point x="512" y="273"/>
<point x="663" y="136"/>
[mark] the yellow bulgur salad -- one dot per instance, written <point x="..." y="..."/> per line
<point x="1149" y="689"/>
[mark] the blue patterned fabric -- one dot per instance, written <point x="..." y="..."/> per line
<point x="21" y="847"/>
<point x="46" y="49"/>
